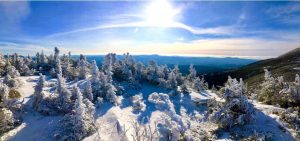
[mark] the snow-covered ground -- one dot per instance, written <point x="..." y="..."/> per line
<point x="117" y="122"/>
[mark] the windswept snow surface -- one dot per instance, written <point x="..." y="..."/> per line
<point x="116" y="122"/>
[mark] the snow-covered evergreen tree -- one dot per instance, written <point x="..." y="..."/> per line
<point x="193" y="73"/>
<point x="56" y="54"/>
<point x="172" y="81"/>
<point x="138" y="74"/>
<point x="38" y="95"/>
<point x="268" y="88"/>
<point x="236" y="110"/>
<point x="199" y="84"/>
<point x="64" y="95"/>
<point x="111" y="95"/>
<point x="152" y="70"/>
<point x="178" y="75"/>
<point x="80" y="123"/>
<point x="82" y="68"/>
<point x="95" y="73"/>
<point x="297" y="86"/>
<point x="109" y="61"/>
<point x="88" y="92"/>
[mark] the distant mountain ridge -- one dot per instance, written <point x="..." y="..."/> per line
<point x="203" y="65"/>
<point x="286" y="65"/>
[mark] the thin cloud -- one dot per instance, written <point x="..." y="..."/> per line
<point x="222" y="30"/>
<point x="23" y="49"/>
<point x="287" y="14"/>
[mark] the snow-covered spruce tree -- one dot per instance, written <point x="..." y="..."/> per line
<point x="2" y="65"/>
<point x="193" y="73"/>
<point x="109" y="59"/>
<point x="44" y="62"/>
<point x="56" y="55"/>
<point x="109" y="73"/>
<point x="95" y="73"/>
<point x="64" y="95"/>
<point x="129" y="60"/>
<point x="199" y="84"/>
<point x="289" y="93"/>
<point x="79" y="123"/>
<point x="126" y="72"/>
<point x="58" y="67"/>
<point x="38" y="95"/>
<point x="108" y="90"/>
<point x="139" y="71"/>
<point x="172" y="81"/>
<point x="164" y="70"/>
<point x="152" y="72"/>
<point x="24" y="69"/>
<point x="66" y="66"/>
<point x="133" y="83"/>
<point x="88" y="92"/>
<point x="82" y="68"/>
<point x="236" y="110"/>
<point x="297" y="87"/>
<point x="268" y="89"/>
<point x="95" y="80"/>
<point x="138" y="103"/>
<point x="178" y="75"/>
<point x="111" y="95"/>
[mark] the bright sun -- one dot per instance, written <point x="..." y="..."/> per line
<point x="160" y="13"/>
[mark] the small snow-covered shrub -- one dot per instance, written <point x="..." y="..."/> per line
<point x="236" y="110"/>
<point x="292" y="120"/>
<point x="7" y="121"/>
<point x="138" y="103"/>
<point x="170" y="129"/>
<point x="161" y="101"/>
<point x="47" y="106"/>
<point x="12" y="82"/>
<point x="170" y="126"/>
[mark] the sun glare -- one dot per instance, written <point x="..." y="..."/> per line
<point x="160" y="13"/>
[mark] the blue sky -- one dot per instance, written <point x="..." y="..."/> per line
<point x="188" y="28"/>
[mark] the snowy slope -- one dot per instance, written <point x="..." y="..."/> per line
<point x="116" y="122"/>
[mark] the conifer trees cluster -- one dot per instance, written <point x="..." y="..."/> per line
<point x="278" y="91"/>
<point x="77" y="103"/>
